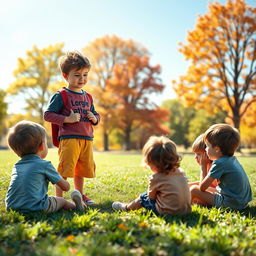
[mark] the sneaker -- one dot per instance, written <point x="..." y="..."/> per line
<point x="77" y="198"/>
<point x="119" y="206"/>
<point x="87" y="200"/>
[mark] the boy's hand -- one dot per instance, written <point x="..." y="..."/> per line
<point x="63" y="185"/>
<point x="72" y="118"/>
<point x="205" y="159"/>
<point x="92" y="117"/>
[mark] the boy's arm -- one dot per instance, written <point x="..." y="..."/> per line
<point x="207" y="181"/>
<point x="52" y="112"/>
<point x="63" y="184"/>
<point x="204" y="163"/>
<point x="93" y="115"/>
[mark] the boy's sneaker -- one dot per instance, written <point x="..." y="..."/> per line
<point x="77" y="198"/>
<point x="87" y="200"/>
<point x="119" y="206"/>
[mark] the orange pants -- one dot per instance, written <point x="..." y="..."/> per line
<point x="76" y="158"/>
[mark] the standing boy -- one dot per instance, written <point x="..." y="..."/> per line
<point x="76" y="119"/>
<point x="234" y="189"/>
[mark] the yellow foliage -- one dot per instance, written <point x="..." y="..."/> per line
<point x="37" y="77"/>
<point x="221" y="37"/>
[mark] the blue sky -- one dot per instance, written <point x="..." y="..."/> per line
<point x="157" y="24"/>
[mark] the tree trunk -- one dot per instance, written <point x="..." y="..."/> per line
<point x="41" y="117"/>
<point x="236" y="118"/>
<point x="105" y="140"/>
<point x="236" y="121"/>
<point x="127" y="139"/>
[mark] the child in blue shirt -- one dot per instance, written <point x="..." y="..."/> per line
<point x="31" y="174"/>
<point x="233" y="188"/>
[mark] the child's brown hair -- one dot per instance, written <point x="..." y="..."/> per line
<point x="199" y="144"/>
<point x="162" y="153"/>
<point x="73" y="60"/>
<point x="224" y="136"/>
<point x="25" y="137"/>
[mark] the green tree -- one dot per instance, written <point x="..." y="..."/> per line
<point x="186" y="123"/>
<point x="179" y="121"/>
<point x="202" y="121"/>
<point x="37" y="77"/>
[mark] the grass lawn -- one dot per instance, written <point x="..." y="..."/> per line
<point x="101" y="231"/>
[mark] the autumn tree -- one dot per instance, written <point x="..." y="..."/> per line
<point x="104" y="53"/>
<point x="222" y="51"/>
<point x="248" y="124"/>
<point x="3" y="110"/>
<point x="132" y="84"/>
<point x="151" y="123"/>
<point x="37" y="77"/>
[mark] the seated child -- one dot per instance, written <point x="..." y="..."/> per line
<point x="202" y="159"/>
<point x="234" y="189"/>
<point x="31" y="174"/>
<point x="168" y="191"/>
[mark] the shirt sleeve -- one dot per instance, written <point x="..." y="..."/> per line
<point x="52" y="112"/>
<point x="95" y="113"/>
<point x="152" y="188"/>
<point x="216" y="170"/>
<point x="51" y="173"/>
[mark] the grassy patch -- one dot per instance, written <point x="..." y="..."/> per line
<point x="101" y="231"/>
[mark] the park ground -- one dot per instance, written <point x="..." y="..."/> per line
<point x="101" y="231"/>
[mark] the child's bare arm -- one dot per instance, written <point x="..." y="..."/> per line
<point x="63" y="184"/>
<point x="152" y="194"/>
<point x="204" y="163"/>
<point x="207" y="181"/>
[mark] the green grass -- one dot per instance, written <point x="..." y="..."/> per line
<point x="101" y="231"/>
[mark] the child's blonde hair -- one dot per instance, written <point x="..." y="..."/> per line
<point x="199" y="144"/>
<point x="224" y="136"/>
<point x="162" y="153"/>
<point x="25" y="137"/>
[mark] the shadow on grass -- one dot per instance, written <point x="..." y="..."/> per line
<point x="249" y="212"/>
<point x="106" y="206"/>
<point x="192" y="219"/>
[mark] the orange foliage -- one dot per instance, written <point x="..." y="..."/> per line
<point x="133" y="82"/>
<point x="121" y="80"/>
<point x="222" y="51"/>
<point x="249" y="118"/>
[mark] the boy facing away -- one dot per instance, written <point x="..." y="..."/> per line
<point x="31" y="174"/>
<point x="168" y="191"/>
<point x="234" y="189"/>
<point x="76" y="120"/>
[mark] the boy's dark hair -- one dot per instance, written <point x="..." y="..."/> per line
<point x="162" y="153"/>
<point x="25" y="137"/>
<point x="73" y="60"/>
<point x="224" y="136"/>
